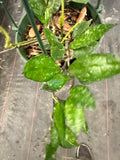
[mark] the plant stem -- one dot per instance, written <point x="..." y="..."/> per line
<point x="55" y="98"/>
<point x="62" y="18"/>
<point x="70" y="31"/>
<point x="31" y="18"/>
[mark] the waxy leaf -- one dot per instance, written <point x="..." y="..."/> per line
<point x="50" y="151"/>
<point x="54" y="137"/>
<point x="57" y="50"/>
<point x="50" y="36"/>
<point x="40" y="68"/>
<point x="58" y="115"/>
<point x="38" y="7"/>
<point x="70" y="137"/>
<point x="81" y="1"/>
<point x="66" y="137"/>
<point x="81" y="95"/>
<point x="90" y="35"/>
<point x="49" y="10"/>
<point x="58" y="81"/>
<point x="95" y="67"/>
<point x="86" y="50"/>
<point x="80" y="28"/>
<point x="75" y="115"/>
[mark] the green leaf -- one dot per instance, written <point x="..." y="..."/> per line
<point x="86" y="50"/>
<point x="57" y="50"/>
<point x="54" y="137"/>
<point x="58" y="81"/>
<point x="46" y="44"/>
<point x="95" y="67"/>
<point x="81" y="1"/>
<point x="56" y="6"/>
<point x="81" y="95"/>
<point x="52" y="147"/>
<point x="46" y="87"/>
<point x="49" y="152"/>
<point x="70" y="137"/>
<point x="40" y="68"/>
<point x="50" y="36"/>
<point x="66" y="138"/>
<point x="48" y="11"/>
<point x="59" y="119"/>
<point x="80" y="28"/>
<point x="85" y="129"/>
<point x="75" y="116"/>
<point x="90" y="35"/>
<point x="38" y="7"/>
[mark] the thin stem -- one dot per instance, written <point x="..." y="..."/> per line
<point x="98" y="4"/>
<point x="6" y="10"/>
<point x="55" y="98"/>
<point x="6" y="50"/>
<point x="70" y="31"/>
<point x="31" y="18"/>
<point x="62" y="18"/>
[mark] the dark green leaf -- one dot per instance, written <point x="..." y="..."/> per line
<point x="50" y="151"/>
<point x="75" y="116"/>
<point x="66" y="138"/>
<point x="50" y="36"/>
<point x="81" y="27"/>
<point x="90" y="35"/>
<point x="52" y="147"/>
<point x="57" y="50"/>
<point x="58" y="80"/>
<point x="56" y="83"/>
<point x="40" y="68"/>
<point x="81" y="1"/>
<point x="59" y="119"/>
<point x="95" y="67"/>
<point x="38" y="7"/>
<point x="81" y="95"/>
<point x="86" y="50"/>
<point x="46" y="87"/>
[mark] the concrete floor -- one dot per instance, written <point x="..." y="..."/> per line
<point x="25" y="110"/>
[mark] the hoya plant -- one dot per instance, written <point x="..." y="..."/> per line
<point x="68" y="117"/>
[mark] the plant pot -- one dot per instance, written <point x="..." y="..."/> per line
<point x="24" y="22"/>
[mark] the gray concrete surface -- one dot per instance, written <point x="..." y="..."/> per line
<point x="25" y="110"/>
